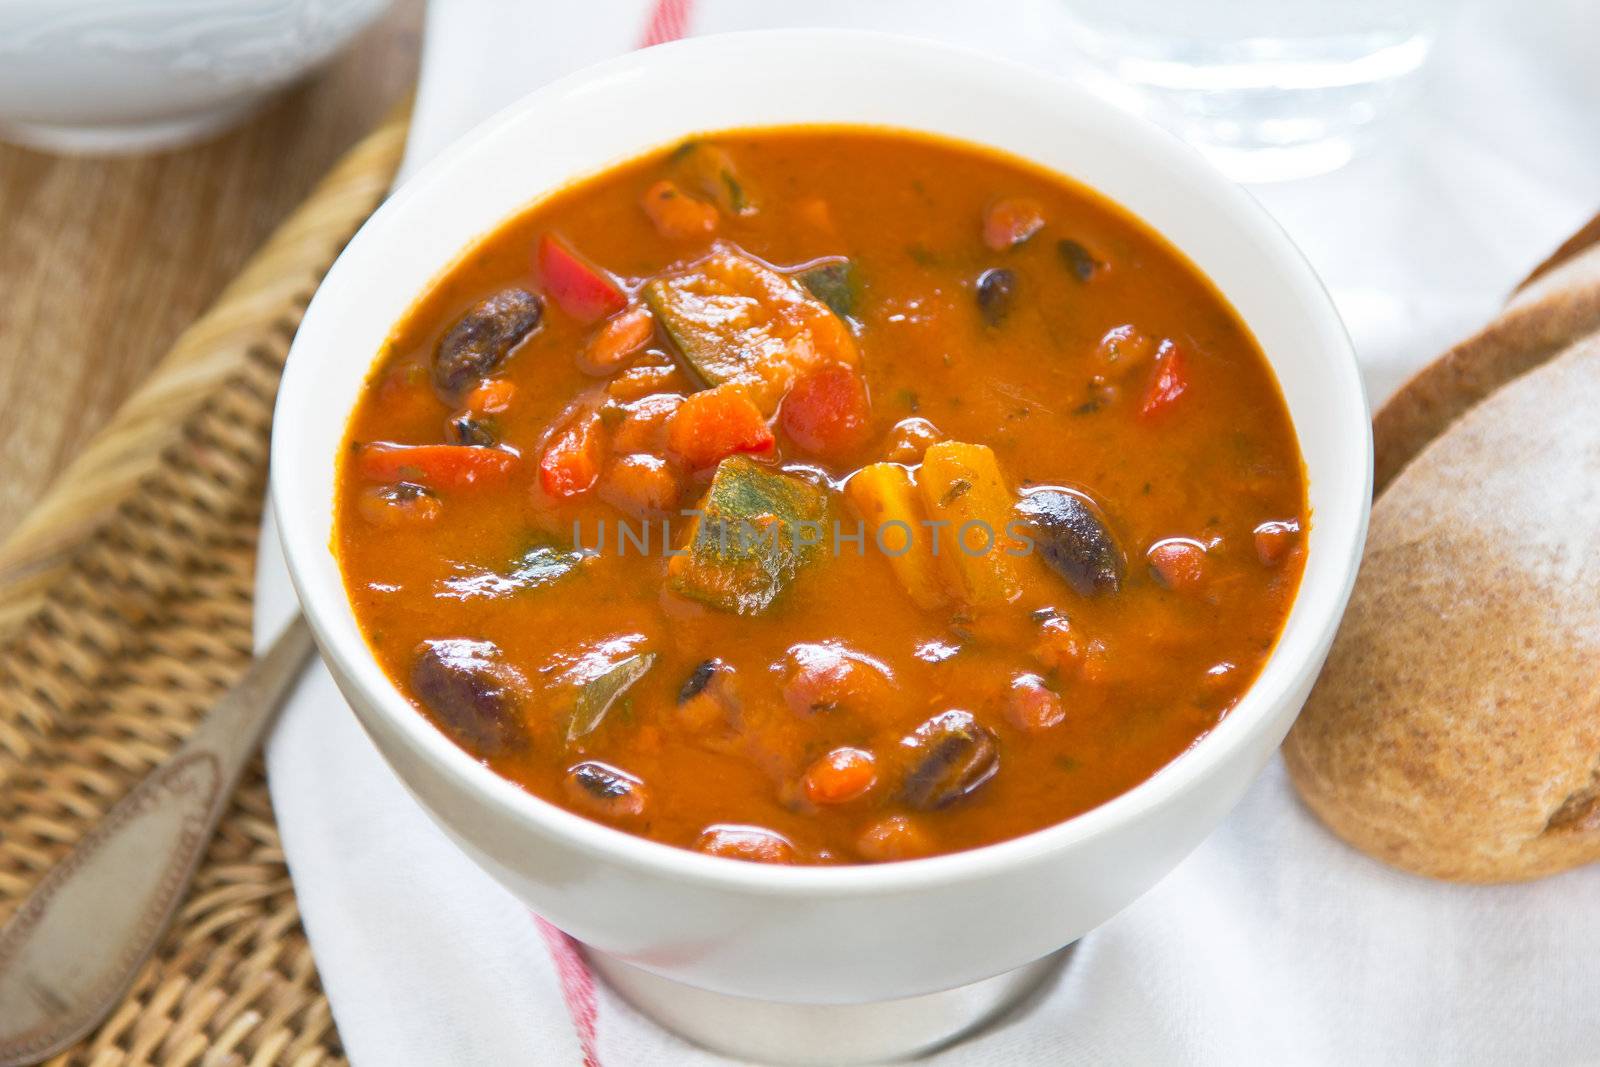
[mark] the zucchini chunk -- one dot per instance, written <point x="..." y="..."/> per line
<point x="962" y="485"/>
<point x="708" y="170"/>
<point x="837" y="284"/>
<point x="733" y="319"/>
<point x="751" y="538"/>
<point x="544" y="563"/>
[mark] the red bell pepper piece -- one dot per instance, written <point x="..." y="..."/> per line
<point x="585" y="292"/>
<point x="1168" y="383"/>
<point x="827" y="412"/>
<point x="436" y="466"/>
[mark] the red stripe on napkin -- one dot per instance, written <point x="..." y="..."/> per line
<point x="669" y="20"/>
<point x="577" y="988"/>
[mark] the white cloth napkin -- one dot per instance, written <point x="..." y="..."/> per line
<point x="1274" y="942"/>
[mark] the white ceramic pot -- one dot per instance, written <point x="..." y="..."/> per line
<point x="135" y="75"/>
<point x="814" y="936"/>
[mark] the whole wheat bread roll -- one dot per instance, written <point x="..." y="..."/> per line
<point x="1455" y="731"/>
<point x="1558" y="304"/>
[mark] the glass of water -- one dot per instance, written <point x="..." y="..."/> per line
<point x="1269" y="89"/>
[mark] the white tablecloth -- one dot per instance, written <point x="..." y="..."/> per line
<point x="1273" y="942"/>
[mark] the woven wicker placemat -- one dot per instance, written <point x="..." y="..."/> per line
<point x="125" y="611"/>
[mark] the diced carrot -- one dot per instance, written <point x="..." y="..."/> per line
<point x="1167" y="383"/>
<point x="585" y="292"/>
<point x="1011" y="221"/>
<point x="1179" y="563"/>
<point x="1274" y="540"/>
<point x="840" y="776"/>
<point x="715" y="423"/>
<point x="827" y="412"/>
<point x="436" y="466"/>
<point x="491" y="396"/>
<point x="571" y="461"/>
<point x="677" y="215"/>
<point x="618" y="338"/>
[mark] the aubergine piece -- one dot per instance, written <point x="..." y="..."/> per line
<point x="1075" y="540"/>
<point x="601" y="692"/>
<point x="954" y="754"/>
<point x="732" y="318"/>
<point x="473" y="694"/>
<point x="480" y="339"/>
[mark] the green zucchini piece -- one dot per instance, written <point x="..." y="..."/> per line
<point x="757" y="529"/>
<point x="837" y="284"/>
<point x="598" y="694"/>
<point x="734" y="319"/>
<point x="544" y="564"/>
<point x="708" y="170"/>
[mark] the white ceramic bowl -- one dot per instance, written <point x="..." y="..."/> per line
<point x="135" y="75"/>
<point x="825" y="935"/>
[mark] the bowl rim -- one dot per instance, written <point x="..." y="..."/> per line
<point x="1328" y="587"/>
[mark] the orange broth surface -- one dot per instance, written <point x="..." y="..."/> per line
<point x="1100" y="364"/>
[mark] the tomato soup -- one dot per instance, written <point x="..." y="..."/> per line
<point x="822" y="495"/>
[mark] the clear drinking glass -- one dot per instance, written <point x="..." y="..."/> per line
<point x="1270" y="89"/>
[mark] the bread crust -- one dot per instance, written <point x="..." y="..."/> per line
<point x="1559" y="304"/>
<point x="1455" y="730"/>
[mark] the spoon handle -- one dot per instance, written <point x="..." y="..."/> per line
<point x="74" y="946"/>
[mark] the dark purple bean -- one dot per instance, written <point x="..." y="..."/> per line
<point x="605" y="791"/>
<point x="467" y="429"/>
<point x="997" y="292"/>
<point x="699" y="679"/>
<point x="473" y="694"/>
<point x="953" y="754"/>
<point x="1075" y="540"/>
<point x="480" y="339"/>
<point x="1078" y="259"/>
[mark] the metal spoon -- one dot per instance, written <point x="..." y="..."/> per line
<point x="71" y="951"/>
